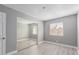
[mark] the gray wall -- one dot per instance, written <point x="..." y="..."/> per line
<point x="11" y="26"/>
<point x="30" y="31"/>
<point x="70" y="30"/>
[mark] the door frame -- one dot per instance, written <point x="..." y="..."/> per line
<point x="3" y="32"/>
<point x="37" y="34"/>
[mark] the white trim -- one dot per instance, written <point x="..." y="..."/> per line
<point x="78" y="29"/>
<point x="61" y="44"/>
<point x="11" y="53"/>
<point x="4" y="33"/>
<point x="78" y="51"/>
<point x="3" y="15"/>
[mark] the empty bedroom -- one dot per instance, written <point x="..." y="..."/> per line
<point x="39" y="29"/>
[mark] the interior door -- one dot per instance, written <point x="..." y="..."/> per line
<point x="2" y="33"/>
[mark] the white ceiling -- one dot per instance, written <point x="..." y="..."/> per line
<point x="50" y="12"/>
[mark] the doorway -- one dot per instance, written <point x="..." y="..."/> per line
<point x="2" y="33"/>
<point x="27" y="33"/>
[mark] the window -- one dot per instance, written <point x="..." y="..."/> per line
<point x="56" y="29"/>
<point x="34" y="29"/>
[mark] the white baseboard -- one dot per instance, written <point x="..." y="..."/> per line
<point x="61" y="44"/>
<point x="11" y="53"/>
<point x="78" y="51"/>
